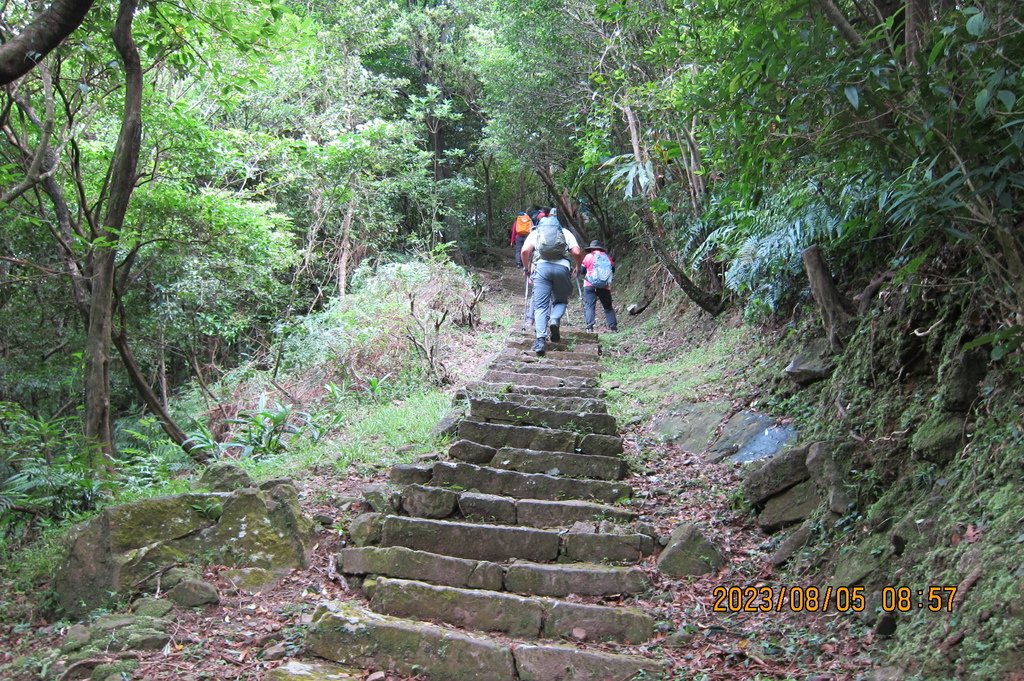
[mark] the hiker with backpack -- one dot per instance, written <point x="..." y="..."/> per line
<point x="551" y="255"/>
<point x="597" y="285"/>
<point x="520" y="230"/>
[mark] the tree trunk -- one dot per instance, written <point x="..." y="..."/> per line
<point x="566" y="212"/>
<point x="345" y="248"/>
<point x="489" y="198"/>
<point x="652" y="226"/>
<point x="838" y="19"/>
<point x="915" y="18"/>
<point x="835" y="309"/>
<point x="19" y="54"/>
<point x="122" y="182"/>
<point x="169" y="426"/>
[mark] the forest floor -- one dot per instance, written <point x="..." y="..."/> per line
<point x="246" y="635"/>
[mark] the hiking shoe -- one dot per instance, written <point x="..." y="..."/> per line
<point x="538" y="346"/>
<point x="555" y="336"/>
<point x="590" y="329"/>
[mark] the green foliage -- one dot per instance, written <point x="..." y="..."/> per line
<point x="266" y="430"/>
<point x="44" y="472"/>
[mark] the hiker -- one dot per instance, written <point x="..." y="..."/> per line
<point x="552" y="256"/>
<point x="520" y="230"/>
<point x="597" y="285"/>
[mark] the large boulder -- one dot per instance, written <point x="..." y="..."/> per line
<point x="122" y="546"/>
<point x="778" y="474"/>
<point x="691" y="425"/>
<point x="812" y="363"/>
<point x="940" y="438"/>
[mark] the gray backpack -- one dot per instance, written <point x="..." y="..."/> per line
<point x="550" y="240"/>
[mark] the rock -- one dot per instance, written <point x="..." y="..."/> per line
<point x="76" y="637"/>
<point x="345" y="502"/>
<point x="175" y="576"/>
<point x="129" y="632"/>
<point x="225" y="477"/>
<point x="365" y="529"/>
<point x="428" y="502"/>
<point x="778" y="474"/>
<point x="323" y="519"/>
<point x="585" y="580"/>
<point x="277" y="651"/>
<point x="382" y="498"/>
<point x="294" y="670"/>
<point x="750" y="436"/>
<point x="692" y="424"/>
<point x="411" y="474"/>
<point x="152" y="607"/>
<point x="564" y="663"/>
<point x="471" y="452"/>
<point x="194" y="593"/>
<point x="792" y="506"/>
<point x="489" y="508"/>
<point x="123" y="545"/>
<point x="118" y="670"/>
<point x="812" y="363"/>
<point x="274" y="482"/>
<point x="791" y="544"/>
<point x="939" y="438"/>
<point x="403" y="563"/>
<point x="959" y="379"/>
<point x="252" y="580"/>
<point x="351" y="635"/>
<point x="689" y="553"/>
<point x="885" y="625"/>
<point x="601" y="445"/>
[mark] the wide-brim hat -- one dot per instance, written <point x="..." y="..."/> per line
<point x="595" y="245"/>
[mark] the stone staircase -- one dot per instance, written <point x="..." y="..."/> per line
<point x="496" y="565"/>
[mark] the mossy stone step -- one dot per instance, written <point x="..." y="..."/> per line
<point x="526" y="485"/>
<point x="567" y="464"/>
<point x="469" y="540"/>
<point x="567" y="336"/>
<point x="564" y="579"/>
<point x="351" y="635"/>
<point x="498" y="435"/>
<point x="510" y="412"/>
<point x="522" y="577"/>
<point x="587" y="349"/>
<point x="508" y="374"/>
<point x="573" y="403"/>
<point x="500" y="543"/>
<point x="404" y="563"/>
<point x="563" y="663"/>
<point x="547" y="369"/>
<point x="514" y="615"/>
<point x="562" y="360"/>
<point x="486" y="389"/>
<point x="544" y="513"/>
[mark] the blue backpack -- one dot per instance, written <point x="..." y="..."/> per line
<point x="599" y="274"/>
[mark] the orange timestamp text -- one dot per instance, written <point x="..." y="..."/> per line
<point x="788" y="598"/>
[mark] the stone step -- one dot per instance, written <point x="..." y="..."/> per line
<point x="498" y="543"/>
<point x="547" y="369"/>
<point x="537" y="379"/>
<point x="560" y="463"/>
<point x="526" y="485"/>
<point x="492" y="389"/>
<point x="569" y="337"/>
<point x="571" y="401"/>
<point x="498" y="435"/>
<point x="555" y="359"/>
<point x="565" y="663"/>
<point x="581" y="579"/>
<point x="542" y="513"/>
<point x="471" y="452"/>
<point x="514" y="615"/>
<point x="422" y="501"/>
<point x="468" y="540"/>
<point x="404" y="563"/>
<point x="587" y="349"/>
<point x="522" y="577"/>
<point x="351" y="635"/>
<point x="510" y="412"/>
